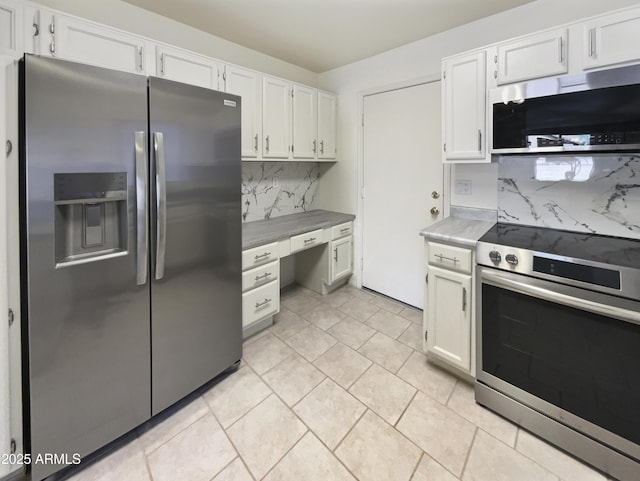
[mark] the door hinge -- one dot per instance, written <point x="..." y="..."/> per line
<point x="9" y="147"/>
<point x="291" y="93"/>
<point x="495" y="74"/>
<point x="444" y="146"/>
<point x="444" y="74"/>
<point x="426" y="279"/>
<point x="425" y="335"/>
<point x="495" y="59"/>
<point x="292" y="149"/>
<point x="11" y="317"/>
<point x="13" y="446"/>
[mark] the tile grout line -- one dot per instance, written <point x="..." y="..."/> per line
<point x="446" y="403"/>
<point x="181" y="430"/>
<point x="415" y="468"/>
<point x="366" y="408"/>
<point x="466" y="459"/>
<point x="405" y="409"/>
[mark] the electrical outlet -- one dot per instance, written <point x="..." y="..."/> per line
<point x="276" y="183"/>
<point x="463" y="187"/>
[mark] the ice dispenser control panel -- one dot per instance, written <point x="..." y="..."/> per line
<point x="91" y="216"/>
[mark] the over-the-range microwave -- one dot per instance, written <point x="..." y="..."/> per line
<point x="595" y="112"/>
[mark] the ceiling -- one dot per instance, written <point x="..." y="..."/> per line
<point x="320" y="35"/>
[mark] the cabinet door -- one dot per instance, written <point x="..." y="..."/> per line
<point x="327" y="106"/>
<point x="246" y="84"/>
<point x="11" y="25"/>
<point x="186" y="67"/>
<point x="341" y="258"/>
<point x="85" y="42"/>
<point x="449" y="316"/>
<point x="304" y="122"/>
<point x="276" y="118"/>
<point x="464" y="108"/>
<point x="612" y="39"/>
<point x="536" y="56"/>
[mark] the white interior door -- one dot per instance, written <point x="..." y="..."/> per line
<point x="402" y="167"/>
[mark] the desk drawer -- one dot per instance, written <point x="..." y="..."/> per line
<point x="450" y="257"/>
<point x="259" y="255"/>
<point x="306" y="240"/>
<point x="341" y="230"/>
<point x="260" y="275"/>
<point x="260" y="302"/>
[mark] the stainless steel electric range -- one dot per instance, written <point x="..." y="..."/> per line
<point x="559" y="340"/>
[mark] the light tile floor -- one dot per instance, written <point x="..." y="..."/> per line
<point x="338" y="389"/>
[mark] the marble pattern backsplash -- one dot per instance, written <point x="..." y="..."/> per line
<point x="272" y="189"/>
<point x="589" y="193"/>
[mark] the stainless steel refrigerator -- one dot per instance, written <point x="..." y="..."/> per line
<point x="131" y="238"/>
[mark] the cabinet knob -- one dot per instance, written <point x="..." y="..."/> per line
<point x="435" y="194"/>
<point x="434" y="211"/>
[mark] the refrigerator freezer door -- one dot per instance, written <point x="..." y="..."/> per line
<point x="87" y="319"/>
<point x="197" y="305"/>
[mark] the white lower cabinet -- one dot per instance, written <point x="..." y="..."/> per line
<point x="260" y="303"/>
<point x="449" y="310"/>
<point x="260" y="286"/>
<point x="341" y="258"/>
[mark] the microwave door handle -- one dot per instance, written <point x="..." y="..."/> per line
<point x="161" y="204"/>
<point x="560" y="298"/>
<point x="142" y="210"/>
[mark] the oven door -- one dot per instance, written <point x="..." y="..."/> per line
<point x="568" y="353"/>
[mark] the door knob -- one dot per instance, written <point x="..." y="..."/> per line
<point x="434" y="211"/>
<point x="435" y="194"/>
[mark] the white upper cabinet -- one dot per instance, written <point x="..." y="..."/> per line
<point x="612" y="39"/>
<point x="327" y="106"/>
<point x="11" y="23"/>
<point x="535" y="56"/>
<point x="276" y="118"/>
<point x="81" y="41"/>
<point x="304" y="122"/>
<point x="464" y="108"/>
<point x="187" y="67"/>
<point x="247" y="84"/>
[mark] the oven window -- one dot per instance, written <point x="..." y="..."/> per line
<point x="585" y="363"/>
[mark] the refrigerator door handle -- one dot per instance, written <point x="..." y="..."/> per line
<point x="142" y="211"/>
<point x="161" y="204"/>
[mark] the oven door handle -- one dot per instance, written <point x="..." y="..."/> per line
<point x="560" y="298"/>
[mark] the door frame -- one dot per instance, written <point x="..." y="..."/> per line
<point x="358" y="234"/>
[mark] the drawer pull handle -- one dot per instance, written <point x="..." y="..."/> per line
<point x="266" y="275"/>
<point x="311" y="239"/>
<point x="346" y="229"/>
<point x="263" y="303"/>
<point x="262" y="256"/>
<point x="452" y="259"/>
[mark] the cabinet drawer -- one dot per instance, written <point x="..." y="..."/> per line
<point x="260" y="275"/>
<point x="341" y="230"/>
<point x="260" y="302"/>
<point x="306" y="240"/>
<point x="450" y="257"/>
<point x="259" y="255"/>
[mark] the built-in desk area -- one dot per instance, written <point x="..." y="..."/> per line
<point x="322" y="242"/>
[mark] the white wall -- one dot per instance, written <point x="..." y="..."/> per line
<point x="338" y="188"/>
<point x="130" y="18"/>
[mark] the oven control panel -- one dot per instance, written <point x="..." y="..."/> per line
<point x="502" y="257"/>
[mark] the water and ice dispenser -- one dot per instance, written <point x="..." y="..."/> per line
<point x="91" y="217"/>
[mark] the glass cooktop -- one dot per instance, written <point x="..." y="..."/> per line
<point x="592" y="247"/>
